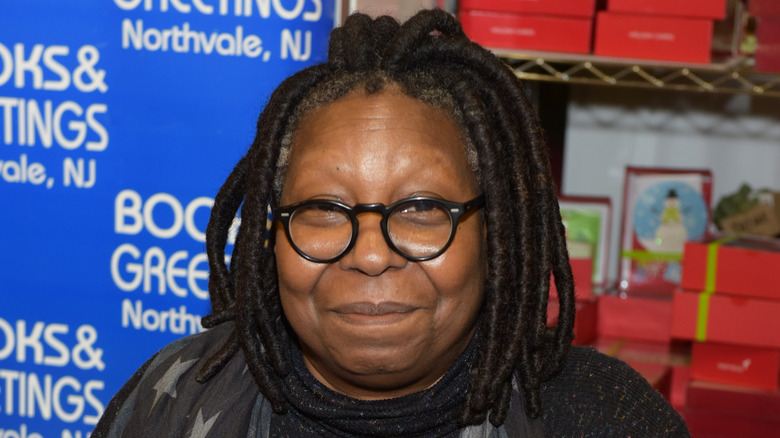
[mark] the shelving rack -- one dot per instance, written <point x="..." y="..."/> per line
<point x="733" y="75"/>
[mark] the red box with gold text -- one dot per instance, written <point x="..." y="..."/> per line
<point x="727" y="319"/>
<point x="659" y="38"/>
<point x="529" y="32"/>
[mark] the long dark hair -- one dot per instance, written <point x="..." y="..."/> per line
<point x="431" y="59"/>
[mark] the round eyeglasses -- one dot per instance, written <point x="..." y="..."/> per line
<point x="419" y="228"/>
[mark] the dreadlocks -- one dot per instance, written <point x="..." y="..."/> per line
<point x="428" y="58"/>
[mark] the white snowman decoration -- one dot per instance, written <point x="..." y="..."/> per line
<point x="671" y="234"/>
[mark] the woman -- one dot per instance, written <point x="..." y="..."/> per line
<point x="401" y="287"/>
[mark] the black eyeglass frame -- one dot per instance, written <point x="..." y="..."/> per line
<point x="456" y="210"/>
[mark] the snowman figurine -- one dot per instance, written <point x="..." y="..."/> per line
<point x="670" y="236"/>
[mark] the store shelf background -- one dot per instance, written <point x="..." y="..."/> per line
<point x="732" y="75"/>
<point x="616" y="112"/>
<point x="607" y="129"/>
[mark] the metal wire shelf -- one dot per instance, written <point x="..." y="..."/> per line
<point x="733" y="75"/>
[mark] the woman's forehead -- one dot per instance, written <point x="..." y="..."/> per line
<point x="388" y="108"/>
<point x="379" y="136"/>
<point x="392" y="116"/>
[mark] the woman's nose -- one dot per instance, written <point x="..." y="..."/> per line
<point x="371" y="253"/>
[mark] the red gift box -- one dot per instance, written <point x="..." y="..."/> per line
<point x="745" y="266"/>
<point x="718" y="410"/>
<point x="578" y="8"/>
<point x="584" y="320"/>
<point x="764" y="8"/>
<point x="656" y="374"/>
<point x="582" y="271"/>
<point x="530" y="32"/>
<point x="715" y="9"/>
<point x="738" y="365"/>
<point x="724" y="425"/>
<point x="680" y="376"/>
<point x="654" y="37"/>
<point x="768" y="48"/>
<point x="652" y="360"/>
<point x="727" y="319"/>
<point x="635" y="317"/>
<point x="741" y="402"/>
<point x="632" y="349"/>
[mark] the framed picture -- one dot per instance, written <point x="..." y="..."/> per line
<point x="662" y="209"/>
<point x="587" y="221"/>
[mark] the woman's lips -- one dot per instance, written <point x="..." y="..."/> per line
<point x="374" y="313"/>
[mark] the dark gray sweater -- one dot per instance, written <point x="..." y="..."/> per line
<point x="594" y="395"/>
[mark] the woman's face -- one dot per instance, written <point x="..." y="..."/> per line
<point x="369" y="149"/>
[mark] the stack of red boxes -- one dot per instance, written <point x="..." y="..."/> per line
<point x="767" y="14"/>
<point x="636" y="329"/>
<point x="664" y="30"/>
<point x="538" y="25"/>
<point x="729" y="306"/>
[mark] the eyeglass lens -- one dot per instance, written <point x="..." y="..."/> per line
<point x="417" y="228"/>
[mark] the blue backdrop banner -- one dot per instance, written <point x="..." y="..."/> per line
<point x="119" y="120"/>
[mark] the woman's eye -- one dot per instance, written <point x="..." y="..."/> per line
<point x="327" y="208"/>
<point x="422" y="213"/>
<point x="420" y="207"/>
<point x="320" y="214"/>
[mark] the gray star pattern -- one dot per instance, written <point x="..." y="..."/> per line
<point x="167" y="384"/>
<point x="200" y="429"/>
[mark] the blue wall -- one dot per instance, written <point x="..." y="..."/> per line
<point x="119" y="120"/>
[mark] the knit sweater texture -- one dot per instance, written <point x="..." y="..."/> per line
<point x="594" y="395"/>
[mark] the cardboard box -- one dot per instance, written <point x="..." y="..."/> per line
<point x="751" y="367"/>
<point x="528" y="32"/>
<point x="764" y="8"/>
<point x="659" y="38"/>
<point x="739" y="402"/>
<point x="761" y="220"/>
<point x="577" y="8"/>
<point x="714" y="9"/>
<point x="768" y="48"/>
<point x="584" y="320"/>
<point x="635" y="318"/>
<point x="744" y="266"/>
<point x="727" y="319"/>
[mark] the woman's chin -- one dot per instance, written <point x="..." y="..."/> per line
<point x="377" y="372"/>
